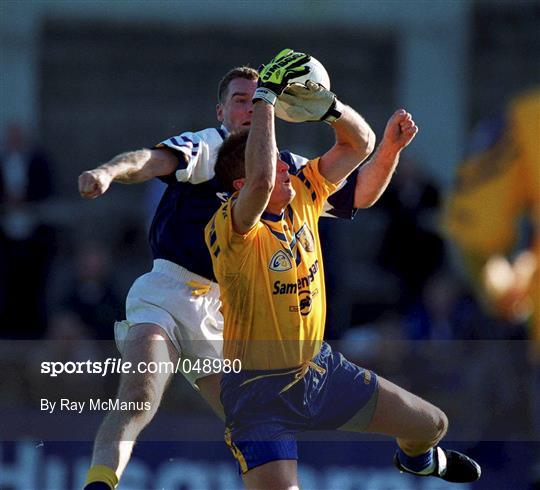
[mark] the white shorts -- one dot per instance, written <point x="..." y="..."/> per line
<point x="194" y="324"/>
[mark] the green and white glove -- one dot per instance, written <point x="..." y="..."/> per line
<point x="280" y="72"/>
<point x="308" y="102"/>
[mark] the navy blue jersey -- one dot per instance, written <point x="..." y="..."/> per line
<point x="193" y="195"/>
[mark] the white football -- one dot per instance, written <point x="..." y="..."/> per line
<point x="317" y="74"/>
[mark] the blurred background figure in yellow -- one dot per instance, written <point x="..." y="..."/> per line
<point x="493" y="217"/>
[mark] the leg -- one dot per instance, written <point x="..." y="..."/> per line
<point x="119" y="430"/>
<point x="210" y="390"/>
<point x="416" y="424"/>
<point x="276" y="475"/>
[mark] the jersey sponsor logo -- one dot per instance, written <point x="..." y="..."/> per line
<point x="301" y="284"/>
<point x="280" y="262"/>
<point x="305" y="237"/>
<point x="305" y="302"/>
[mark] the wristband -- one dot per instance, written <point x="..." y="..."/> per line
<point x="262" y="93"/>
<point x="334" y="113"/>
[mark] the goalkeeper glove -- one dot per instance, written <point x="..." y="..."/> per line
<point x="280" y="72"/>
<point x="309" y="102"/>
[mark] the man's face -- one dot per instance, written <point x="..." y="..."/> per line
<point x="236" y="109"/>
<point x="283" y="192"/>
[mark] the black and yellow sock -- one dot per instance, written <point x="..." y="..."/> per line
<point x="100" y="477"/>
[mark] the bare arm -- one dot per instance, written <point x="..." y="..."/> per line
<point x="355" y="140"/>
<point x="374" y="176"/>
<point x="261" y="157"/>
<point x="128" y="168"/>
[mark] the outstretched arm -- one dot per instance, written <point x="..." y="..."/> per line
<point x="260" y="162"/>
<point x="355" y="140"/>
<point x="128" y="168"/>
<point x="374" y="176"/>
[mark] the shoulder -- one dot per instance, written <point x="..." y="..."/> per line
<point x="310" y="183"/>
<point x="190" y="139"/>
<point x="220" y="219"/>
<point x="199" y="150"/>
<point x="310" y="175"/>
<point x="222" y="226"/>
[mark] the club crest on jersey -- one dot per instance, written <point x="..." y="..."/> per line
<point x="280" y="262"/>
<point x="305" y="237"/>
<point x="223" y="196"/>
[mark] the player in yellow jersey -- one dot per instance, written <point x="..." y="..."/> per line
<point x="498" y="185"/>
<point x="266" y="256"/>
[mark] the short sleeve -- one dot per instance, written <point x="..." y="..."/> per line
<point x="197" y="154"/>
<point x="315" y="185"/>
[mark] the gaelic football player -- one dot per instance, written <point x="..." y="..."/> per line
<point x="173" y="310"/>
<point x="266" y="254"/>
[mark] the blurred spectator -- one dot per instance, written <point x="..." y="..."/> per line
<point x="447" y="310"/>
<point x="26" y="241"/>
<point x="91" y="292"/>
<point x="437" y="315"/>
<point x="67" y="339"/>
<point x="494" y="219"/>
<point x="411" y="248"/>
<point x="497" y="187"/>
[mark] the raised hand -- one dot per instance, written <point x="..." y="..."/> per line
<point x="400" y="130"/>
<point x="307" y="102"/>
<point x="278" y="73"/>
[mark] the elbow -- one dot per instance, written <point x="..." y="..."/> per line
<point x="365" y="201"/>
<point x="364" y="148"/>
<point x="370" y="143"/>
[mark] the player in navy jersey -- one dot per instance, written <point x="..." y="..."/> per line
<point x="173" y="310"/>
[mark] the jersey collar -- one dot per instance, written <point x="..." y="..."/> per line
<point x="272" y="217"/>
<point x="278" y="217"/>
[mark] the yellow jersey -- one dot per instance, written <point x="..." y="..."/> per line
<point x="272" y="279"/>
<point x="497" y="185"/>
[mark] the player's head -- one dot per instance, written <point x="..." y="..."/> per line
<point x="231" y="172"/>
<point x="230" y="163"/>
<point x="235" y="91"/>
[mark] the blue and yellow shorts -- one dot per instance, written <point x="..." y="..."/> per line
<point x="266" y="409"/>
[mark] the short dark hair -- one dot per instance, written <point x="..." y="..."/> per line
<point x="230" y="163"/>
<point x="245" y="72"/>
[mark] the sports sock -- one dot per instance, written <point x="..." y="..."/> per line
<point x="97" y="485"/>
<point x="101" y="477"/>
<point x="423" y="464"/>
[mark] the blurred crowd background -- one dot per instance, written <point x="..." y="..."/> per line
<point x="83" y="81"/>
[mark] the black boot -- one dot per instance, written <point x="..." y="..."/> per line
<point x="451" y="466"/>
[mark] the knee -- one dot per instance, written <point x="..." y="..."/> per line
<point x="431" y="435"/>
<point x="440" y="425"/>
